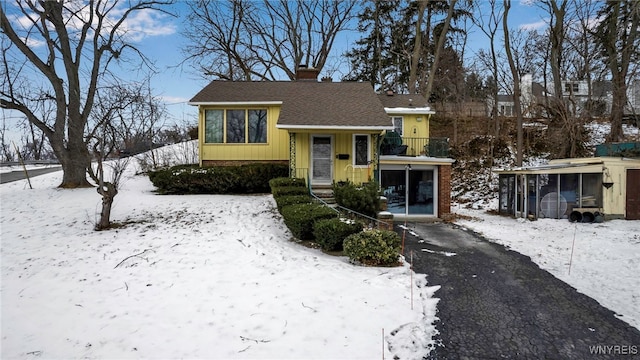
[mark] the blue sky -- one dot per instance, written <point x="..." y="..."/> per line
<point x="177" y="85"/>
<point x="159" y="38"/>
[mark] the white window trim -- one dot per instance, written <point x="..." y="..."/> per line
<point x="393" y="118"/>
<point x="353" y="150"/>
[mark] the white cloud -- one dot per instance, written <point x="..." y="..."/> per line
<point x="145" y="23"/>
<point x="138" y="26"/>
<point x="535" y="26"/>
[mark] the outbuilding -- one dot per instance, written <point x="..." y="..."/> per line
<point x="573" y="189"/>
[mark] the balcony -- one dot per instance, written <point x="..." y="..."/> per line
<point x="394" y="144"/>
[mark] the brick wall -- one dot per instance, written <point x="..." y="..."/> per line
<point x="444" y="190"/>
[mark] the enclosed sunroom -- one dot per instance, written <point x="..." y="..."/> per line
<point x="566" y="187"/>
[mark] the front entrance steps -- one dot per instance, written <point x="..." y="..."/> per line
<point x="325" y="193"/>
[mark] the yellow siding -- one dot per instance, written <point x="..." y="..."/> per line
<point x="343" y="169"/>
<point x="614" y="198"/>
<point x="303" y="151"/>
<point x="413" y="127"/>
<point x="276" y="148"/>
<point x="415" y="132"/>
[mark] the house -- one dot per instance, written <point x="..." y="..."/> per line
<point x="327" y="132"/>
<point x="573" y="188"/>
<point x="416" y="181"/>
<point x="592" y="99"/>
<point x="532" y="94"/>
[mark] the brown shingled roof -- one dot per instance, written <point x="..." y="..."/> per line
<point x="305" y="103"/>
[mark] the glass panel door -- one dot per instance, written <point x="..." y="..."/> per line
<point x="394" y="189"/>
<point x="322" y="160"/>
<point x="420" y="195"/>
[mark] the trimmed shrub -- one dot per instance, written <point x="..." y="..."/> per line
<point x="286" y="200"/>
<point x="364" y="199"/>
<point x="243" y="179"/>
<point x="330" y="233"/>
<point x="373" y="247"/>
<point x="289" y="190"/>
<point x="300" y="218"/>
<point x="287" y="181"/>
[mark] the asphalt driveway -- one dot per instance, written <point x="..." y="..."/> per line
<point x="497" y="304"/>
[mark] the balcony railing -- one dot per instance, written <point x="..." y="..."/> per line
<point x="410" y="146"/>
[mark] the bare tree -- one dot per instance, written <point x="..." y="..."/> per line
<point x="116" y="108"/>
<point x="489" y="25"/>
<point x="8" y="153"/>
<point x="108" y="189"/>
<point x="428" y="86"/>
<point x="80" y="40"/>
<point x="516" y="83"/>
<point x="248" y="40"/>
<point x="618" y="37"/>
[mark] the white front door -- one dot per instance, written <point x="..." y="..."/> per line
<point x="321" y="160"/>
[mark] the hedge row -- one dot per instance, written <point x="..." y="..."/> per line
<point x="300" y="218"/>
<point x="192" y="179"/>
<point x="296" y="206"/>
<point x="311" y="221"/>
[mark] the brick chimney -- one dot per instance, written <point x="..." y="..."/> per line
<point x="304" y="73"/>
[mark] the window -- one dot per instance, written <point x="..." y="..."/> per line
<point x="360" y="150"/>
<point x="571" y="87"/>
<point x="397" y="124"/>
<point x="591" y="190"/>
<point x="235" y="126"/>
<point x="257" y="126"/>
<point x="213" y="125"/>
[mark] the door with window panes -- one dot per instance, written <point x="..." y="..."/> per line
<point x="321" y="159"/>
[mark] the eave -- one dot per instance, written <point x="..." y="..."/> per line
<point x="234" y="103"/>
<point x="409" y="110"/>
<point x="333" y="127"/>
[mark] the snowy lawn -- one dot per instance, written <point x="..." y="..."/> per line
<point x="599" y="260"/>
<point x="190" y="277"/>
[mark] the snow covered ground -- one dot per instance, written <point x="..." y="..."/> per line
<point x="218" y="277"/>
<point x="599" y="260"/>
<point x="190" y="277"/>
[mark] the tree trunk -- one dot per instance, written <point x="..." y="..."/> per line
<point x="416" y="55"/>
<point x="108" y="192"/>
<point x="516" y="84"/>
<point x="619" y="100"/>
<point x="75" y="160"/>
<point x="438" y="50"/>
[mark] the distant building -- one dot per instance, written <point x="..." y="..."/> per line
<point x="593" y="101"/>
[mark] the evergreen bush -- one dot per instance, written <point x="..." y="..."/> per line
<point x="364" y="199"/>
<point x="287" y="181"/>
<point x="285" y="200"/>
<point x="330" y="233"/>
<point x="243" y="179"/>
<point x="373" y="247"/>
<point x="300" y="218"/>
<point x="289" y="190"/>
